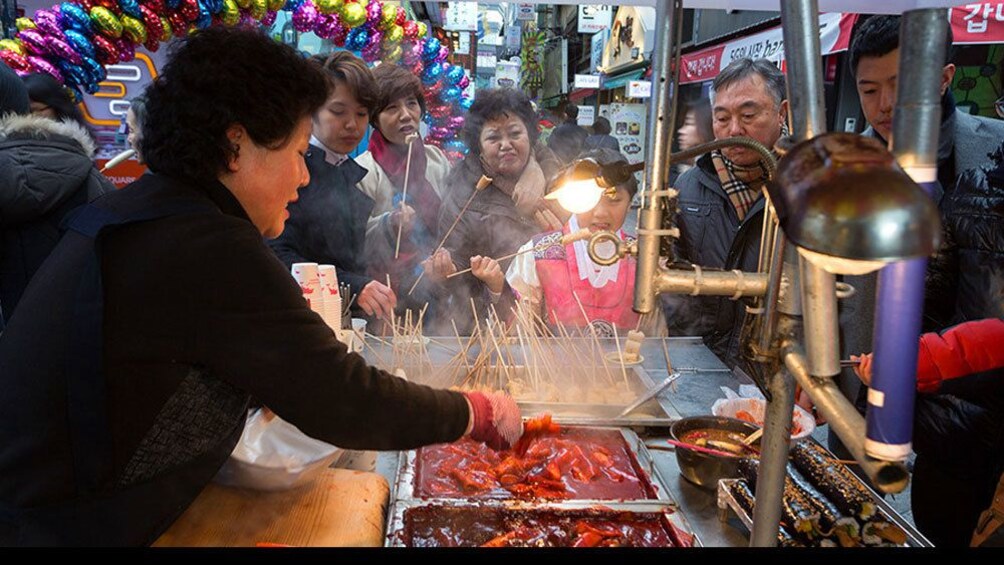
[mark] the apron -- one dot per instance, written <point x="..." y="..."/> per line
<point x="102" y="513"/>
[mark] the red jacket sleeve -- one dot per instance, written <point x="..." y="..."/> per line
<point x="968" y="348"/>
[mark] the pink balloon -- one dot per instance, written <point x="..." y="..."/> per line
<point x="443" y="54"/>
<point x="464" y="82"/>
<point x="305" y="17"/>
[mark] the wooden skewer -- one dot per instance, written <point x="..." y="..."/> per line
<point x="410" y="139"/>
<point x="620" y="356"/>
<point x="565" y="239"/>
<point x="483" y="183"/>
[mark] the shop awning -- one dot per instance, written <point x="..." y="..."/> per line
<point x="581" y="94"/>
<point x="617" y="81"/>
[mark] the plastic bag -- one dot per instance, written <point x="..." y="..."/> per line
<point x="273" y="454"/>
<point x="751" y="400"/>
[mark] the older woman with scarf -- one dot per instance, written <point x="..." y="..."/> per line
<point x="560" y="282"/>
<point x="501" y="133"/>
<point x="401" y="231"/>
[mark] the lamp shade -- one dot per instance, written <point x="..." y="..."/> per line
<point x="842" y="196"/>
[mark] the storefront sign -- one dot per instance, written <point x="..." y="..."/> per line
<point x="627" y="122"/>
<point x="978" y="23"/>
<point x="486" y="59"/>
<point x="834" y="36"/>
<point x="587" y="81"/>
<point x="513" y="37"/>
<point x="631" y="38"/>
<point x="506" y="74"/>
<point x="639" y="89"/>
<point x="587" y="115"/>
<point x="594" y="17"/>
<point x="599" y="40"/>
<point x="461" y="16"/>
<point x="526" y="12"/>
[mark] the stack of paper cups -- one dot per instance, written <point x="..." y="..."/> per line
<point x="308" y="277"/>
<point x="332" y="300"/>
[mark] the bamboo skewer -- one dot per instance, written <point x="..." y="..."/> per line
<point x="483" y="183"/>
<point x="620" y="356"/>
<point x="565" y="239"/>
<point x="410" y="139"/>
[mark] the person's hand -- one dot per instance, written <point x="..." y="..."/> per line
<point x="404" y="216"/>
<point x="803" y="399"/>
<point x="529" y="189"/>
<point x="439" y="266"/>
<point x="864" y="369"/>
<point x="489" y="271"/>
<point x="546" y="219"/>
<point x="495" y="419"/>
<point x="377" y="299"/>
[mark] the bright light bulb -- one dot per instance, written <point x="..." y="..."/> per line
<point x="840" y="265"/>
<point x="578" y="196"/>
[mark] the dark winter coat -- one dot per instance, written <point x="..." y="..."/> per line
<point x="712" y="236"/>
<point x="45" y="171"/>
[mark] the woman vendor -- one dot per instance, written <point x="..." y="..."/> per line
<point x="501" y="132"/>
<point x="554" y="279"/>
<point x="161" y="312"/>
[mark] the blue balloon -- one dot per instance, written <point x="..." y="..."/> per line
<point x="214" y="6"/>
<point x="75" y="74"/>
<point x="95" y="70"/>
<point x="357" y="38"/>
<point x="430" y="50"/>
<point x="173" y="4"/>
<point x="205" y="18"/>
<point x="455" y="74"/>
<point x="79" y="42"/>
<point x="432" y="74"/>
<point x="131" y="7"/>
<point x="72" y="16"/>
<point x="451" y="94"/>
<point x="293" y="5"/>
<point x="455" y="145"/>
<point x="466" y="102"/>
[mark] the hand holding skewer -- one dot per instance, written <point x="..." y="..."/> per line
<point x="583" y="233"/>
<point x="483" y="183"/>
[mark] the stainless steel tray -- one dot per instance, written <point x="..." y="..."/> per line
<point x="404" y="485"/>
<point x="727" y="501"/>
<point x="669" y="511"/>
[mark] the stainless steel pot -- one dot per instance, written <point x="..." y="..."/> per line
<point x="704" y="469"/>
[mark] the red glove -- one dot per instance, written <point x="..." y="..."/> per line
<point x="495" y="419"/>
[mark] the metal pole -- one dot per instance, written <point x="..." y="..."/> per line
<point x="773" y="460"/>
<point x="800" y="25"/>
<point x="8" y="13"/>
<point x="844" y="419"/>
<point x="900" y="294"/>
<point x="657" y="157"/>
<point x="714" y="283"/>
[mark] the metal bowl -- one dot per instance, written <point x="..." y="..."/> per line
<point x="703" y="469"/>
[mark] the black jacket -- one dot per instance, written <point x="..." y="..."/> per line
<point x="198" y="316"/>
<point x="327" y="223"/>
<point x="966" y="280"/>
<point x="601" y="141"/>
<point x="45" y="171"/>
<point x="712" y="236"/>
<point x="566" y="141"/>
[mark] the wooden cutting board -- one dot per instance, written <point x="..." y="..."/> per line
<point x="342" y="508"/>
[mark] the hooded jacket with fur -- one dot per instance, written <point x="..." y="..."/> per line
<point x="45" y="172"/>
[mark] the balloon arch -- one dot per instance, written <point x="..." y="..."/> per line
<point x="73" y="41"/>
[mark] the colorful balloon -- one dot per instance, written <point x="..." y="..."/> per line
<point x="327" y="26"/>
<point x="43" y="66"/>
<point x="432" y="73"/>
<point x="451" y="94"/>
<point x="465" y="103"/>
<point x="259" y="8"/>
<point x="74" y="74"/>
<point x="292" y="5"/>
<point x="464" y="82"/>
<point x="275" y="5"/>
<point x="155" y="6"/>
<point x="112" y="5"/>
<point x="16" y="61"/>
<point x="74" y="17"/>
<point x="127" y="51"/>
<point x="24" y="23"/>
<point x="422" y="29"/>
<point x="356" y="39"/>
<point x="166" y="32"/>
<point x="47" y="22"/>
<point x="388" y="15"/>
<point x="151" y="21"/>
<point x="430" y="49"/>
<point x="107" y="52"/>
<point x="353" y="15"/>
<point x="152" y="43"/>
<point x="305" y="17"/>
<point x="95" y="70"/>
<point x="329" y="6"/>
<point x="400" y="16"/>
<point x="455" y="145"/>
<point x="175" y="4"/>
<point x="205" y="18"/>
<point x="242" y="4"/>
<point x="393" y="35"/>
<point x="33" y="42"/>
<point x="410" y="30"/>
<point x="62" y="49"/>
<point x="370" y="54"/>
<point x="12" y="45"/>
<point x="374" y="10"/>
<point x="178" y="23"/>
<point x="133" y="29"/>
<point x="375" y="40"/>
<point x="269" y="19"/>
<point x="130" y="8"/>
<point x="454" y="74"/>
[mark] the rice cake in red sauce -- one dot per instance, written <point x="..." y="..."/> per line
<point x="445" y="526"/>
<point x="577" y="464"/>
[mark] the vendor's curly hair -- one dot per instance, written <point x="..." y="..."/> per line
<point x="217" y="78"/>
